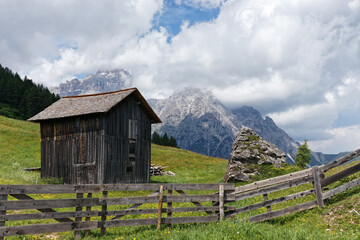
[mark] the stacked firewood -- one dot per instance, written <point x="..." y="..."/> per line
<point x="157" y="170"/>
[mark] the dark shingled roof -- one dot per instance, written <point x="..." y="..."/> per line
<point x="92" y="103"/>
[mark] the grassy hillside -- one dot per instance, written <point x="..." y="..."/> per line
<point x="20" y="148"/>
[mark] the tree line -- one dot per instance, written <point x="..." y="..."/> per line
<point x="22" y="98"/>
<point x="163" y="140"/>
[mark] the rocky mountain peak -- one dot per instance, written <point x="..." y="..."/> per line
<point x="101" y="81"/>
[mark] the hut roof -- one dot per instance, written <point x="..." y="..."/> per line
<point x="93" y="103"/>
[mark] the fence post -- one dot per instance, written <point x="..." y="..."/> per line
<point x="2" y="223"/>
<point x="317" y="186"/>
<point x="161" y="193"/>
<point x="221" y="201"/>
<point x="266" y="197"/>
<point x="87" y="219"/>
<point x="77" y="234"/>
<point x="169" y="207"/>
<point x="103" y="213"/>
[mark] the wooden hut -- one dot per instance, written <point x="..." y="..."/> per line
<point x="97" y="138"/>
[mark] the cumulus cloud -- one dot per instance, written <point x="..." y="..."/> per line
<point x="296" y="61"/>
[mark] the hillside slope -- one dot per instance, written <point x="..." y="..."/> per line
<point x="20" y="148"/>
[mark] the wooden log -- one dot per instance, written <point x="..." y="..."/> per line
<point x="134" y="206"/>
<point x="266" y="198"/>
<point x="341" y="189"/>
<point x="271" y="202"/>
<point x="275" y="188"/>
<point x="317" y="186"/>
<point x="282" y="212"/>
<point x="340" y="161"/>
<point x="77" y="234"/>
<point x="24" y="197"/>
<point x="221" y="202"/>
<point x="87" y="219"/>
<point x="169" y="207"/>
<point x="273" y="181"/>
<point x="46" y="228"/>
<point x="340" y="175"/>
<point x="103" y="215"/>
<point x="3" y="213"/>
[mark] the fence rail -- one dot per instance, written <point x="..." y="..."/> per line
<point x="85" y="207"/>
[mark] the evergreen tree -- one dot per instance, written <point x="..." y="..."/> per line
<point x="155" y="138"/>
<point x="172" y="142"/>
<point x="22" y="99"/>
<point x="165" y="140"/>
<point x="303" y="156"/>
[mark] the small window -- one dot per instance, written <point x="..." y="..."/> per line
<point x="132" y="129"/>
<point x="132" y="146"/>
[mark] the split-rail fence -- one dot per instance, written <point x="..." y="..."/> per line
<point x="85" y="207"/>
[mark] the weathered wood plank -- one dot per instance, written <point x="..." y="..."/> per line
<point x="169" y="207"/>
<point x="272" y="202"/>
<point x="274" y="188"/>
<point x="282" y="212"/>
<point x="154" y="199"/>
<point x="221" y="202"/>
<point x="134" y="206"/>
<point x="199" y="219"/>
<point x="266" y="198"/>
<point x="340" y="175"/>
<point x="49" y="215"/>
<point x="161" y="193"/>
<point x="46" y="228"/>
<point x="87" y="218"/>
<point x="273" y="181"/>
<point x="341" y="189"/>
<point x="340" y="161"/>
<point x="77" y="234"/>
<point x="47" y="204"/>
<point x="317" y="186"/>
<point x="3" y="214"/>
<point x="103" y="215"/>
<point x="93" y="188"/>
<point x="24" y="197"/>
<point x="182" y="193"/>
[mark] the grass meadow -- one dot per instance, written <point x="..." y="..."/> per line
<point x="20" y="148"/>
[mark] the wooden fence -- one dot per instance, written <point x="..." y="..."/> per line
<point x="86" y="207"/>
<point x="104" y="211"/>
<point x="314" y="175"/>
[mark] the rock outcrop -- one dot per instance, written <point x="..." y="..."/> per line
<point x="248" y="151"/>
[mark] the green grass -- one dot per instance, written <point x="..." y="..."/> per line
<point x="20" y="148"/>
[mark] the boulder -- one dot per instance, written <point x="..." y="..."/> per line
<point x="249" y="150"/>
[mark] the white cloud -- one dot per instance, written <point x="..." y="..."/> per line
<point x="343" y="140"/>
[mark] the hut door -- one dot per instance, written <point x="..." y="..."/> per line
<point x="84" y="157"/>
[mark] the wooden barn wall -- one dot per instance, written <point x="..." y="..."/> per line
<point x="72" y="149"/>
<point x="117" y="143"/>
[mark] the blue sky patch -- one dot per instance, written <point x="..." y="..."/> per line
<point x="174" y="15"/>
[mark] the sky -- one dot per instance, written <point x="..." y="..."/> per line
<point x="297" y="61"/>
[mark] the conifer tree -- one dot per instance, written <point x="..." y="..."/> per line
<point x="165" y="140"/>
<point x="155" y="138"/>
<point x="303" y="156"/>
<point x="172" y="142"/>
